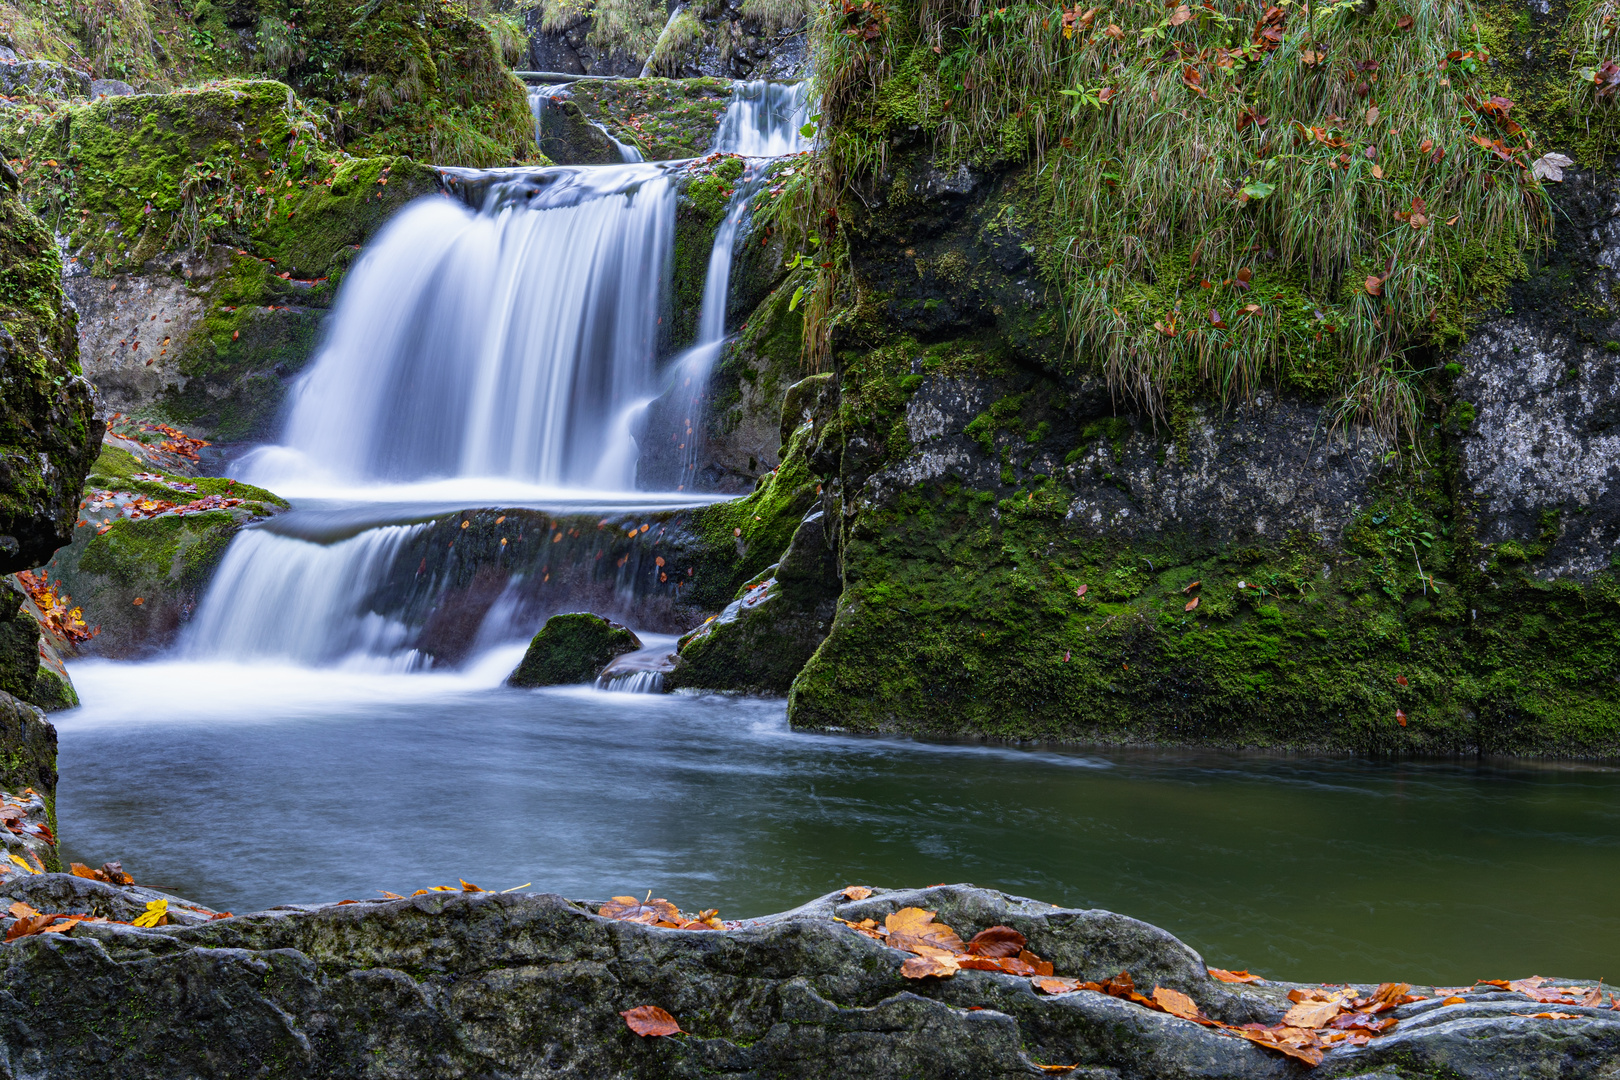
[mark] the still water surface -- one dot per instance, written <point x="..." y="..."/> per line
<point x="244" y="787"/>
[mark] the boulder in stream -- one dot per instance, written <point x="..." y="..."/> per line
<point x="525" y="985"/>
<point x="572" y="648"/>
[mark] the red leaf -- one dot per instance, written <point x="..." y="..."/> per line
<point x="647" y="1020"/>
<point x="997" y="941"/>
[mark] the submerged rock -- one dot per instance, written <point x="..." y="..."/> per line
<point x="499" y="985"/>
<point x="572" y="648"/>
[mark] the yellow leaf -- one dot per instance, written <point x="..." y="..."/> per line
<point x="20" y="863"/>
<point x="156" y="914"/>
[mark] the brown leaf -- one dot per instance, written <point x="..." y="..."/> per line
<point x="1176" y="1003"/>
<point x="1400" y="680"/>
<point x="915" y="930"/>
<point x="1374" y="285"/>
<point x="857" y="892"/>
<point x="1405" y="22"/>
<point x="1042" y="967"/>
<point x="629" y="909"/>
<point x="1191" y="604"/>
<point x="1048" y="984"/>
<point x="1181" y="15"/>
<point x="647" y="1020"/>
<point x="1190" y="588"/>
<point x="1400" y="717"/>
<point x="1454" y="1000"/>
<point x="1312" y="1014"/>
<point x="115" y="874"/>
<point x="1222" y="975"/>
<point x="1081" y="591"/>
<point x="1308" y="1054"/>
<point x="924" y="967"/>
<point x="1533" y="1016"/>
<point x="997" y="941"/>
<point x="78" y="869"/>
<point x="1378" y="172"/>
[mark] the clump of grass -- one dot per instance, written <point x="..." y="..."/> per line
<point x="774" y="16"/>
<point x="1231" y="193"/>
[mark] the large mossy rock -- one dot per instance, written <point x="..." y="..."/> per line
<point x="518" y="985"/>
<point x="139" y="579"/>
<point x="572" y="648"/>
<point x="664" y="119"/>
<point x="49" y="430"/>
<point x="207" y="232"/>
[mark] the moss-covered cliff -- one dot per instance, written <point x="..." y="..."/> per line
<point x="1217" y="376"/>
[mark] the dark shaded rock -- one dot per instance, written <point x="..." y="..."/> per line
<point x="664" y="119"/>
<point x="508" y="986"/>
<point x="68" y="894"/>
<point x="572" y="648"/>
<point x="27" y="748"/>
<point x="49" y="431"/>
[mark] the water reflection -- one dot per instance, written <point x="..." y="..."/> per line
<point x="251" y="786"/>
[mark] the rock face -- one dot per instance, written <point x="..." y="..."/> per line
<point x="572" y="648"/>
<point x="524" y="985"/>
<point x="48" y="424"/>
<point x="44" y="79"/>
<point x="733" y="39"/>
<point x="664" y="119"/>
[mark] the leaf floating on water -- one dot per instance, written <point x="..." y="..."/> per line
<point x="997" y="941"/>
<point x="648" y="1020"/>
<point x="856" y="892"/>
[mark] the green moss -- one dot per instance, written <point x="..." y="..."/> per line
<point x="961" y="622"/>
<point x="572" y="648"/>
<point x="115" y="469"/>
<point x="177" y="552"/>
<point x="665" y="119"/>
<point x="704" y="195"/>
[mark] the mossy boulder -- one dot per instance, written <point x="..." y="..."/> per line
<point x="207" y="232"/>
<point x="49" y="430"/>
<point x="139" y="579"/>
<point x="572" y="648"/>
<point x="664" y="119"/>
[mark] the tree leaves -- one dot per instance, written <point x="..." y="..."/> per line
<point x="653" y="912"/>
<point x="1222" y="975"/>
<point x="856" y="892"/>
<point x="997" y="941"/>
<point x="650" y="1020"/>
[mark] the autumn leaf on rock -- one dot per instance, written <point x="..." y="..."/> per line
<point x="156" y="914"/>
<point x="857" y="892"/>
<point x="647" y="1020"/>
<point x="1049" y="984"/>
<point x="1312" y="1014"/>
<point x="629" y="909"/>
<point x="1222" y="975"/>
<point x="1176" y="1003"/>
<point x="997" y="941"/>
<point x="914" y="930"/>
<point x="924" y="967"/>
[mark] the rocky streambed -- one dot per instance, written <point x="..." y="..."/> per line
<point x="479" y="984"/>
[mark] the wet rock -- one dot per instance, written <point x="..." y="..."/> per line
<point x="110" y="88"/>
<point x="507" y="986"/>
<point x="69" y="894"/>
<point x="572" y="648"/>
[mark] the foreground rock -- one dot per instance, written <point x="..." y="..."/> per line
<point x="491" y="985"/>
<point x="572" y="648"/>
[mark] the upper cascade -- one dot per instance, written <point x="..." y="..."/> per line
<point x="765" y="119"/>
<point x="506" y="342"/>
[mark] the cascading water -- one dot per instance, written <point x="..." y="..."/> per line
<point x="545" y="99"/>
<point x="502" y="342"/>
<point x="763" y="119"/>
<point x="513" y="343"/>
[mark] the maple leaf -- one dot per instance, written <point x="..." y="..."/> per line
<point x="646" y="1020"/>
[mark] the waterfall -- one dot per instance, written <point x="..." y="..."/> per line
<point x="764" y="119"/>
<point x="500" y="342"/>
<point x="542" y="101"/>
<point x="280" y="598"/>
<point x="505" y="338"/>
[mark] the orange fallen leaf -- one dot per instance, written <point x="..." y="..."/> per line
<point x="1389" y="992"/>
<point x="914" y="930"/>
<point x="629" y="909"/>
<point x="647" y="1020"/>
<point x="1400" y="717"/>
<point x="1191" y="604"/>
<point x="1533" y="1016"/>
<point x="1222" y="975"/>
<point x="923" y="967"/>
<point x="1176" y="1003"/>
<point x="857" y="892"/>
<point x="467" y="886"/>
<point x="997" y="941"/>
<point x="1312" y="1014"/>
<point x="1454" y="1000"/>
<point x="1049" y="984"/>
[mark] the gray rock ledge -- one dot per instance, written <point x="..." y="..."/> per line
<point x="531" y="985"/>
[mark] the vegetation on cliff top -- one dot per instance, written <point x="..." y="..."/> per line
<point x="1229" y="193"/>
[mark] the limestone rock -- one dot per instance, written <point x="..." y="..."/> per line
<point x="572" y="648"/>
<point x="509" y="986"/>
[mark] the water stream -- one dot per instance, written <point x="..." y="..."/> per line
<point x="304" y="743"/>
